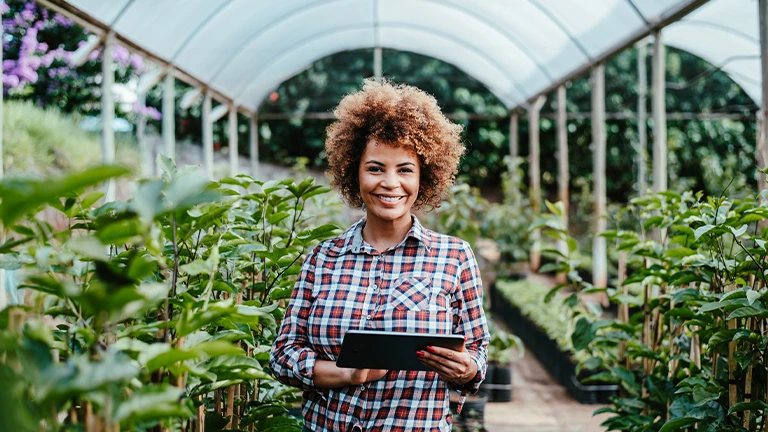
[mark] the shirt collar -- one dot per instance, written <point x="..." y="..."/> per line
<point x="352" y="239"/>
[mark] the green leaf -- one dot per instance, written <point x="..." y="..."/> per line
<point x="196" y="267"/>
<point x="680" y="252"/>
<point x="752" y="406"/>
<point x="748" y="311"/>
<point x="583" y="334"/>
<point x="20" y="196"/>
<point x="153" y="403"/>
<point x="752" y="295"/>
<point x="700" y="231"/>
<point x="88" y="247"/>
<point x="677" y="424"/>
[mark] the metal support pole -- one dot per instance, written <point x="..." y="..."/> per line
<point x="233" y="146"/>
<point x="659" y="115"/>
<point x="563" y="178"/>
<point x="514" y="147"/>
<point x="108" y="112"/>
<point x="762" y="121"/>
<point x="144" y="150"/>
<point x="254" y="144"/>
<point x="535" y="178"/>
<point x="169" y="115"/>
<point x="377" y="64"/>
<point x="641" y="154"/>
<point x="599" y="245"/>
<point x="207" y="135"/>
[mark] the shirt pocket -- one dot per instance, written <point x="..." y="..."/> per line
<point x="410" y="294"/>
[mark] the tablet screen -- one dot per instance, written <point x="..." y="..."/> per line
<point x="370" y="349"/>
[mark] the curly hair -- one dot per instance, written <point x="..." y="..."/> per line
<point x="397" y="115"/>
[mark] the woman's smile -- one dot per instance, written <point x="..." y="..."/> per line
<point x="389" y="183"/>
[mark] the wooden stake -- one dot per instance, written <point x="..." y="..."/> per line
<point x="732" y="390"/>
<point x="233" y="421"/>
<point x="646" y="342"/>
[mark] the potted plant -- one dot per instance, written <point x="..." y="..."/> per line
<point x="503" y="350"/>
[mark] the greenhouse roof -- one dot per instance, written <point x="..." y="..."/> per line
<point x="243" y="49"/>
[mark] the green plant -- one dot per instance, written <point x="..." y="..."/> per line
<point x="156" y="312"/>
<point x="41" y="141"/>
<point x="507" y="222"/>
<point x="459" y="214"/>
<point x="695" y="355"/>
<point x="504" y="347"/>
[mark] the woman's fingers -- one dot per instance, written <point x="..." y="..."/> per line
<point x="449" y="364"/>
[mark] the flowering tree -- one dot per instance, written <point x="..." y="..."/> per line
<point x="37" y="47"/>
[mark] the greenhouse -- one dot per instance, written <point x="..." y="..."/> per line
<point x="163" y="182"/>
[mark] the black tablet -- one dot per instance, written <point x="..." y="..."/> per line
<point x="370" y="349"/>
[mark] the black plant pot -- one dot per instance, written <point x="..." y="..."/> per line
<point x="472" y="416"/>
<point x="502" y="390"/>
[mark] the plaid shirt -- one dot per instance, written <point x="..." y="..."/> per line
<point x="429" y="283"/>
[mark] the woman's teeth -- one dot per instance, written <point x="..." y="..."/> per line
<point x="389" y="199"/>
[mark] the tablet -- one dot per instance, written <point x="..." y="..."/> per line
<point x="370" y="349"/>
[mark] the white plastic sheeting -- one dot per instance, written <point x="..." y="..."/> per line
<point x="243" y="49"/>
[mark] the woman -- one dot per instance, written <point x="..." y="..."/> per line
<point x="390" y="151"/>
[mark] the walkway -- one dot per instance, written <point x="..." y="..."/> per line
<point x="539" y="405"/>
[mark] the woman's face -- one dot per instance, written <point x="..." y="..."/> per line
<point x="389" y="182"/>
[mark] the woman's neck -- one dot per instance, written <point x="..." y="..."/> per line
<point x="382" y="235"/>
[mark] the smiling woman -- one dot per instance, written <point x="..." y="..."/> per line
<point x="391" y="150"/>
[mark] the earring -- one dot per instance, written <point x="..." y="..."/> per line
<point x="362" y="208"/>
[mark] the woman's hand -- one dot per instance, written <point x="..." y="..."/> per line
<point x="328" y="375"/>
<point x="454" y="366"/>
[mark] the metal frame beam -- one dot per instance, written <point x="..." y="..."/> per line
<point x="234" y="156"/>
<point x="207" y="135"/>
<point x="659" y="115"/>
<point x="599" y="244"/>
<point x="534" y="173"/>
<point x="641" y="153"/>
<point x="169" y="115"/>
<point x="762" y="117"/>
<point x="254" y="144"/>
<point x="108" y="112"/>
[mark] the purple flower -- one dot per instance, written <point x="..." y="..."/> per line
<point x="32" y="61"/>
<point x="42" y="47"/>
<point x="94" y="54"/>
<point x="11" y="81"/>
<point x="39" y="25"/>
<point x="121" y="55"/>
<point x="62" y="20"/>
<point x="47" y="59"/>
<point x="3" y="8"/>
<point x="30" y="6"/>
<point x="8" y="65"/>
<point x="25" y="74"/>
<point x="27" y="15"/>
<point x="137" y="62"/>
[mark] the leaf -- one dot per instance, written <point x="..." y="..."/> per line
<point x="700" y="231"/>
<point x="677" y="424"/>
<point x="89" y="247"/>
<point x="552" y="292"/>
<point x="748" y="311"/>
<point x="21" y="196"/>
<point x="196" y="267"/>
<point x="583" y="334"/>
<point x="153" y="403"/>
<point x="738" y="232"/>
<point x="680" y="252"/>
<point x="752" y="406"/>
<point x="752" y="295"/>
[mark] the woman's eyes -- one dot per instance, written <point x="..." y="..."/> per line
<point x="379" y="169"/>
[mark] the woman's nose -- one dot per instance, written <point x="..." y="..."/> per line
<point x="390" y="179"/>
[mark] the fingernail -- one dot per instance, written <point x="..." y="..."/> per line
<point x="420" y="354"/>
<point x="430" y="349"/>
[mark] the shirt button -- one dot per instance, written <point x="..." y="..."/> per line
<point x="368" y="317"/>
<point x="362" y="387"/>
<point x="374" y="287"/>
